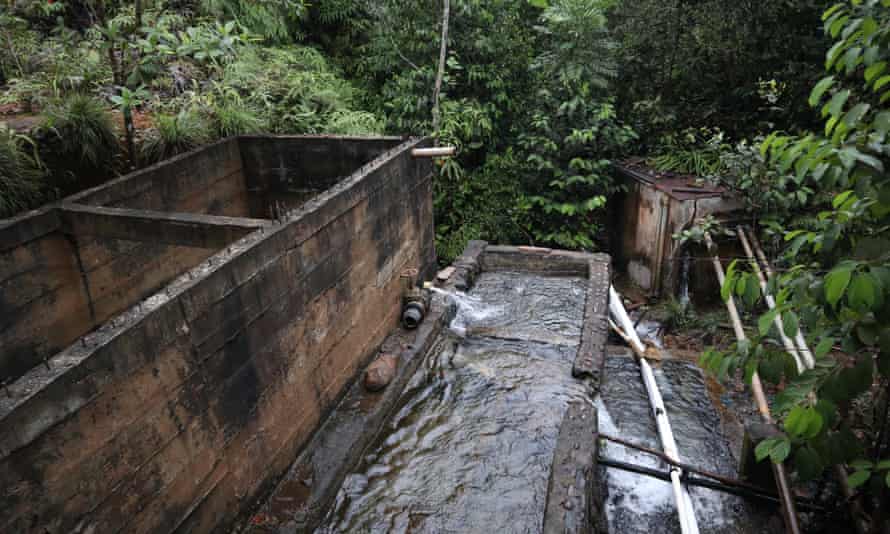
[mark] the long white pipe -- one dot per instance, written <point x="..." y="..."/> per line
<point x="804" y="351"/>
<point x="790" y="348"/>
<point x="685" y="511"/>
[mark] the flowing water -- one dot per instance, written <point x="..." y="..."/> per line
<point x="471" y="448"/>
<point x="640" y="504"/>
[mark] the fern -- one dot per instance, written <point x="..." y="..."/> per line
<point x="691" y="151"/>
<point x="276" y="21"/>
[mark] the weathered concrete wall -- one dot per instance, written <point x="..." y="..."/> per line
<point x="210" y="180"/>
<point x="43" y="302"/>
<point x="64" y="272"/>
<point x="171" y="417"/>
<point x="289" y="170"/>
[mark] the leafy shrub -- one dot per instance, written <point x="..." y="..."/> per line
<point x="84" y="131"/>
<point x="484" y="204"/>
<point x="277" y="21"/>
<point x="296" y="91"/>
<point x="231" y="118"/>
<point x="175" y="134"/>
<point x="837" y="288"/>
<point x="21" y="182"/>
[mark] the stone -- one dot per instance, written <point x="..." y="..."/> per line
<point x="381" y="372"/>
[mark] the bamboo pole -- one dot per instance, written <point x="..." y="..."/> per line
<point x="800" y="347"/>
<point x="789" y="510"/>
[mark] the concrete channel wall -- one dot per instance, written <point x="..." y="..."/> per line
<point x="167" y="349"/>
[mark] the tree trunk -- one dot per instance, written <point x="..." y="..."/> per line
<point x="443" y="49"/>
<point x="130" y="131"/>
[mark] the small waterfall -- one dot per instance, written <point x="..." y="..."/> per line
<point x="470" y="310"/>
<point x="685" y="267"/>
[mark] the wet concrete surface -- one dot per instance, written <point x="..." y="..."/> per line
<point x="472" y="446"/>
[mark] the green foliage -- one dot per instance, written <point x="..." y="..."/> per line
<point x="175" y="134"/>
<point x="83" y="130"/>
<point x="571" y="169"/>
<point x="38" y="69"/>
<point x="21" y="185"/>
<point x="232" y="118"/>
<point x="294" y="90"/>
<point x="692" y="151"/>
<point x="487" y="205"/>
<point x="277" y="21"/>
<point x="837" y="287"/>
<point x="740" y="66"/>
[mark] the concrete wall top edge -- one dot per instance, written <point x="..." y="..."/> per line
<point x="86" y="195"/>
<point x="29" y="226"/>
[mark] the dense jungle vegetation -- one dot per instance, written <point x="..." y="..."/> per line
<point x="785" y="102"/>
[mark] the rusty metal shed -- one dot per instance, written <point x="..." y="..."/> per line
<point x="654" y="207"/>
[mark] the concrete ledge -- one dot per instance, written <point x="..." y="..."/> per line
<point x="573" y="503"/>
<point x="591" y="354"/>
<point x="28" y="227"/>
<point x="181" y="229"/>
<point x="539" y="260"/>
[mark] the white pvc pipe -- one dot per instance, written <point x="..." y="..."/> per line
<point x="804" y="351"/>
<point x="434" y="152"/>
<point x="685" y="511"/>
<point x="771" y="303"/>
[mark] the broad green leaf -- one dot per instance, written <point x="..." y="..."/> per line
<point x="874" y="70"/>
<point x="780" y="451"/>
<point x="790" y="323"/>
<point x="858" y="478"/>
<point x="765" y="145"/>
<point x="852" y="117"/>
<point x="819" y="90"/>
<point x="831" y="11"/>
<point x="882" y="81"/>
<point x="824" y="346"/>
<point x="862" y="293"/>
<point x="881" y="123"/>
<point x="836" y="104"/>
<point x="836" y="283"/>
<point x="841" y="198"/>
<point x="766" y="321"/>
<point x="795" y="423"/>
<point x="764" y="448"/>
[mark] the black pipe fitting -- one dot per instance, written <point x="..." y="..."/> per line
<point x="413" y="314"/>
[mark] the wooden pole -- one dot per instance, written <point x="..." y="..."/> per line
<point x="443" y="50"/>
<point x="804" y="358"/>
<point x="789" y="510"/>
